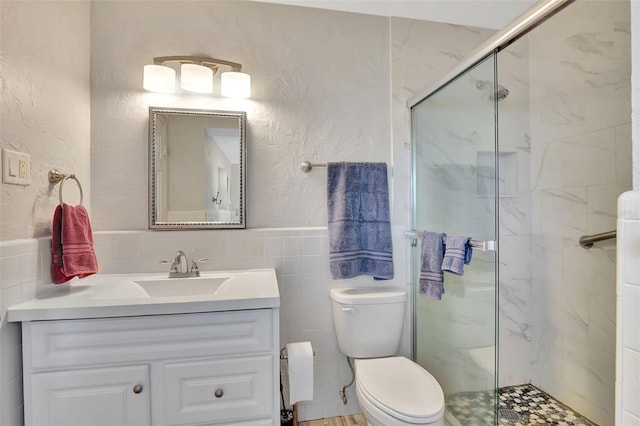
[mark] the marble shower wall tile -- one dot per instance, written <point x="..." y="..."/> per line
<point x="421" y="53"/>
<point x="580" y="67"/>
<point x="580" y="163"/>
<point x="515" y="216"/>
<point x="623" y="154"/>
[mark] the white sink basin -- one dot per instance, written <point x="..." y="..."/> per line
<point x="118" y="295"/>
<point x="172" y="287"/>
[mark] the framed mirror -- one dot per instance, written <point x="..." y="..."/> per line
<point x="197" y="167"/>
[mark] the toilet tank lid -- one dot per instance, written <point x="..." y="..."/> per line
<point x="368" y="295"/>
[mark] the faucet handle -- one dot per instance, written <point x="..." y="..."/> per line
<point x="173" y="269"/>
<point x="194" y="266"/>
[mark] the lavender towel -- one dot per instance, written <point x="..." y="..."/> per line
<point x="456" y="255"/>
<point x="431" y="255"/>
<point x="359" y="220"/>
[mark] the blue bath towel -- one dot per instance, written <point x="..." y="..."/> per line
<point x="359" y="220"/>
<point x="431" y="255"/>
<point x="457" y="254"/>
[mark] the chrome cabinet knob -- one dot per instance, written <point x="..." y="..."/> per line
<point x="218" y="393"/>
<point x="137" y="389"/>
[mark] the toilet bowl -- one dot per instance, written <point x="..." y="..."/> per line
<point x="391" y="390"/>
<point x="396" y="391"/>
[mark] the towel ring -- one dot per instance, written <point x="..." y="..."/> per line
<point x="56" y="176"/>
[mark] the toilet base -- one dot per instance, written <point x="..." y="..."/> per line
<point x="376" y="417"/>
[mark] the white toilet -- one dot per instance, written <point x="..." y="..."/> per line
<point x="392" y="391"/>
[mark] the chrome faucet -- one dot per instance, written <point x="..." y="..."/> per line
<point x="179" y="266"/>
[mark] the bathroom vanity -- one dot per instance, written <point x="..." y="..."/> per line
<point x="105" y="351"/>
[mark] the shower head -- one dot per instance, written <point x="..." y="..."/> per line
<point x="502" y="93"/>
<point x="487" y="86"/>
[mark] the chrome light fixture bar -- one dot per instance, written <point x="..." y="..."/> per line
<point x="196" y="75"/>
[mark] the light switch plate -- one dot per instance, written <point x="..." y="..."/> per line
<point x="16" y="167"/>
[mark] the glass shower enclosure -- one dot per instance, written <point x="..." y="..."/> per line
<point x="539" y="170"/>
<point x="455" y="186"/>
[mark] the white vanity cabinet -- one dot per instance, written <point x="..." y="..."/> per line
<point x="217" y="368"/>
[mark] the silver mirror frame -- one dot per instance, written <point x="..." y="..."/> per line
<point x="153" y="149"/>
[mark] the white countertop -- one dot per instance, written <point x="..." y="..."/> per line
<point x="120" y="295"/>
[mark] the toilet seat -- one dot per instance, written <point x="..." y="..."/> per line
<point x="400" y="388"/>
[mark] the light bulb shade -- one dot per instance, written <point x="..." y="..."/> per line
<point x="235" y="85"/>
<point x="158" y="78"/>
<point x="196" y="78"/>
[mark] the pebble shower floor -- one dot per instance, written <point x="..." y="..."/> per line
<point x="521" y="405"/>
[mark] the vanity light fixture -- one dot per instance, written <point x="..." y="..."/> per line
<point x="196" y="75"/>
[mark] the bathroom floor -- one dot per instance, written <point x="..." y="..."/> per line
<point x="520" y="405"/>
<point x="355" y="420"/>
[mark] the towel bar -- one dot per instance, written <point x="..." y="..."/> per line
<point x="307" y="166"/>
<point x="586" y="241"/>
<point x="56" y="176"/>
<point x="488" y="245"/>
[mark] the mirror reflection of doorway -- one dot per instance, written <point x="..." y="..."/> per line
<point x="222" y="161"/>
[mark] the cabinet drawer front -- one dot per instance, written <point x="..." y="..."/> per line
<point x="218" y="390"/>
<point x="73" y="343"/>
<point x="81" y="397"/>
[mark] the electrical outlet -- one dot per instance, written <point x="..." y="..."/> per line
<point x="16" y="167"/>
<point x="22" y="168"/>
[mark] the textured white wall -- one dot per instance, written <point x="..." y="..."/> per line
<point x="45" y="107"/>
<point x="45" y="112"/>
<point x="322" y="97"/>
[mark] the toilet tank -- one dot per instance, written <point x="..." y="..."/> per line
<point x="368" y="321"/>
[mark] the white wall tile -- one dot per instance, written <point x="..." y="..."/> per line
<point x="630" y="420"/>
<point x="631" y="267"/>
<point x="630" y="326"/>
<point x="273" y="247"/>
<point x="311" y="245"/>
<point x="631" y="384"/>
<point x="628" y="318"/>
<point x="292" y="246"/>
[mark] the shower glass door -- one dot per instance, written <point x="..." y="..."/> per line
<point x="454" y="191"/>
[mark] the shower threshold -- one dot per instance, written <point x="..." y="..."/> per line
<point x="520" y="405"/>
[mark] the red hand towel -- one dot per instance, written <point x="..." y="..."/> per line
<point x="72" y="244"/>
<point x="57" y="275"/>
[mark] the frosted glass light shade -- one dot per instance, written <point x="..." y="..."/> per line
<point x="235" y="85"/>
<point x="158" y="78"/>
<point x="196" y="78"/>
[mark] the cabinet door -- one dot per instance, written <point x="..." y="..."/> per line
<point x="95" y="396"/>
